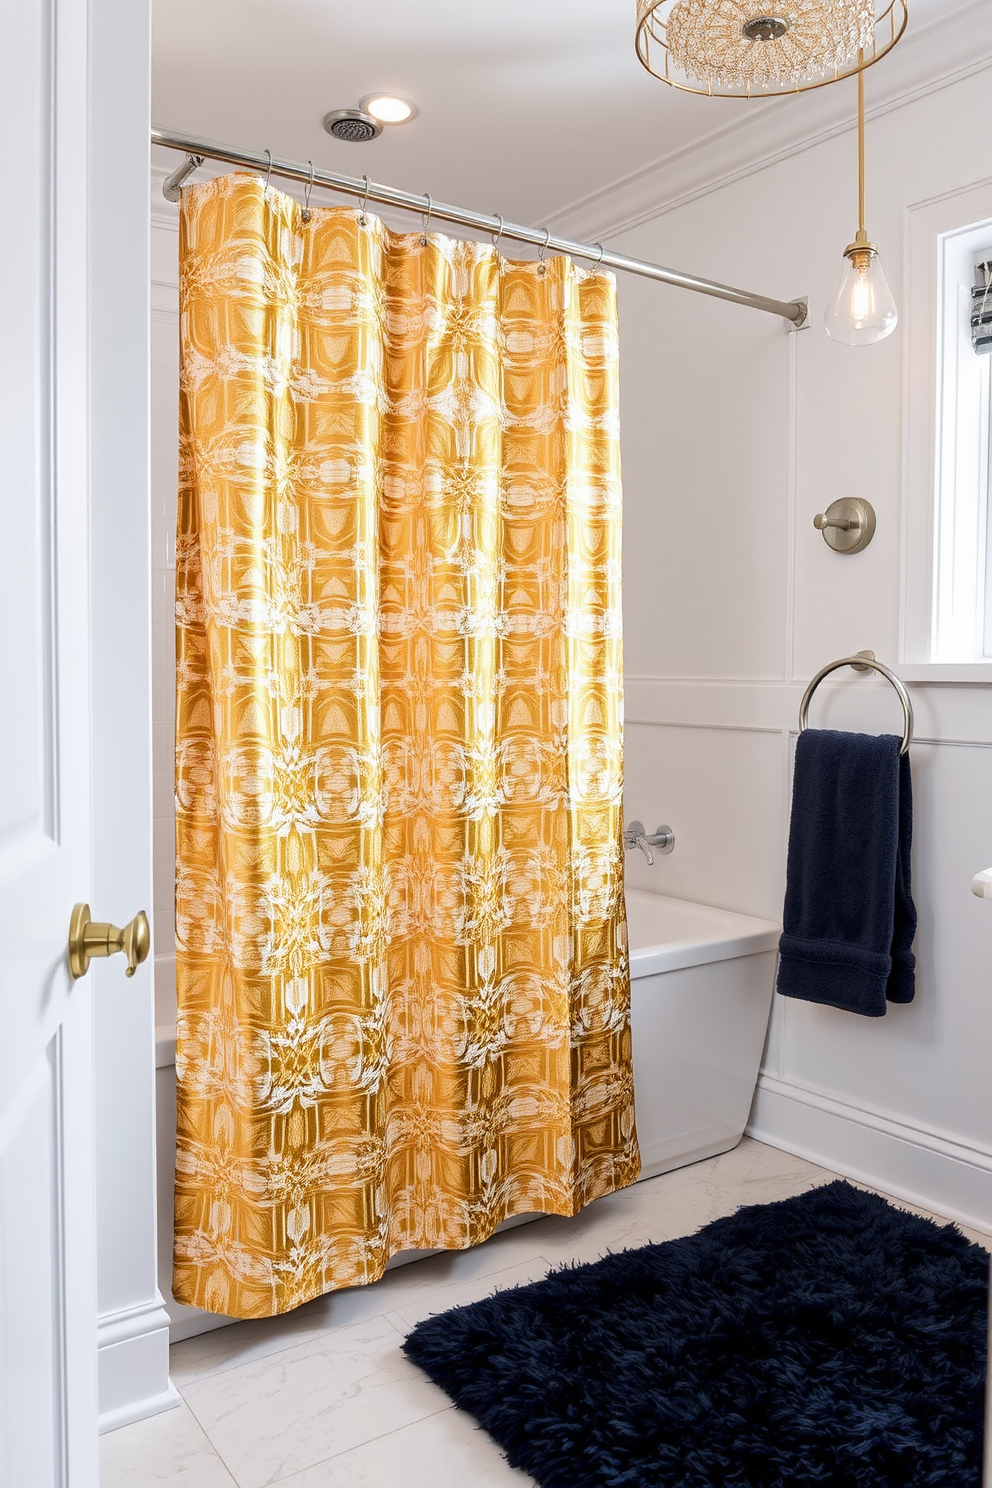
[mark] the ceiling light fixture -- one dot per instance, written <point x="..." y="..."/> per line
<point x="735" y="49"/>
<point x="388" y="108"/>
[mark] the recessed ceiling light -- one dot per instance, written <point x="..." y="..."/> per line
<point x="389" y="109"/>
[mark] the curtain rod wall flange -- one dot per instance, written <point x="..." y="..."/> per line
<point x="793" y="311"/>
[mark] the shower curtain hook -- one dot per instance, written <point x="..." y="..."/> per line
<point x="306" y="213"/>
<point x="363" y="221"/>
<point x="601" y="250"/>
<point x="499" y="235"/>
<point x="542" y="267"/>
<point x="269" y="171"/>
<point x="426" y="220"/>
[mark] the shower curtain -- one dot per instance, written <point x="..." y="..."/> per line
<point x="401" y="945"/>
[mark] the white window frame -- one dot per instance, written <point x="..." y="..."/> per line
<point x="946" y="467"/>
<point x="985" y="478"/>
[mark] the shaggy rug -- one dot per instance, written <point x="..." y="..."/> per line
<point x="827" y="1339"/>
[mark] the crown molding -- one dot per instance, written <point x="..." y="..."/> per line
<point x="943" y="51"/>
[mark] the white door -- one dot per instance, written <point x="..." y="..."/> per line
<point x="48" y="1395"/>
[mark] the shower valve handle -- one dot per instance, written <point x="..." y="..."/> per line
<point x="635" y="836"/>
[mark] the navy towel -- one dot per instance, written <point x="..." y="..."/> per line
<point x="849" y="917"/>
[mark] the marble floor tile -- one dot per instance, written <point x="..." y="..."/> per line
<point x="590" y="1235"/>
<point x="444" y="1451"/>
<point x="169" y="1448"/>
<point x="323" y="1398"/>
<point x="681" y="1202"/>
<point x="277" y="1415"/>
<point x="240" y="1343"/>
<point x="460" y="1293"/>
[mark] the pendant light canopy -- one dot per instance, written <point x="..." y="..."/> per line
<point x="737" y="49"/>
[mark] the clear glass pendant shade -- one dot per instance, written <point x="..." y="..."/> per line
<point x="862" y="308"/>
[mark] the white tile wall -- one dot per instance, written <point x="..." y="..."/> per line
<point x="690" y="779"/>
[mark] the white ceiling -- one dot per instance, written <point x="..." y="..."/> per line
<point x="526" y="105"/>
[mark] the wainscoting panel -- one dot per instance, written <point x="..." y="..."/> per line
<point x="727" y="841"/>
<point x="926" y="1064"/>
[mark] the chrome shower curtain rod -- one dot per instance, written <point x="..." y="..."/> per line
<point x="198" y="150"/>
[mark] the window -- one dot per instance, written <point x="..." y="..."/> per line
<point x="947" y="599"/>
<point x="981" y="342"/>
<point x="962" y="610"/>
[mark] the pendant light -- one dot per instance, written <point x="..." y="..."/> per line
<point x="738" y="49"/>
<point x="862" y="309"/>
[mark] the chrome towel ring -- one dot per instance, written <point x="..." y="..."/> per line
<point x="864" y="662"/>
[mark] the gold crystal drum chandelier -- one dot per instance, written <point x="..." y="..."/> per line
<point x="737" y="49"/>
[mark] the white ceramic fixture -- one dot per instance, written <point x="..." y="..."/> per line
<point x="701" y="992"/>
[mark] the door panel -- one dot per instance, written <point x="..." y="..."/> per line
<point x="47" y="1294"/>
<point x="26" y="600"/>
<point x="30" y="1341"/>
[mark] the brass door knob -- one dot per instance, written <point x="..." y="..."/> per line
<point x="88" y="939"/>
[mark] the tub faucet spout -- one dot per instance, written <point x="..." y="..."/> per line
<point x="635" y="836"/>
<point x="645" y="847"/>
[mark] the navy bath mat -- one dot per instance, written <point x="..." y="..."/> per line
<point x="828" y="1339"/>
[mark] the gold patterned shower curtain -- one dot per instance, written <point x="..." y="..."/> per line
<point x="401" y="946"/>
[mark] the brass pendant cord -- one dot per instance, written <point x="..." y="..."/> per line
<point x="861" y="251"/>
<point x="861" y="148"/>
<point x="198" y="150"/>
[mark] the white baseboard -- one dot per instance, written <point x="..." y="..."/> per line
<point x="140" y="1410"/>
<point x="934" y="1172"/>
<point x="133" y="1354"/>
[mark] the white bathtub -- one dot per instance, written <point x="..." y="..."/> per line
<point x="701" y="991"/>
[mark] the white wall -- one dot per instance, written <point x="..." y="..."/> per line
<point x="735" y="434"/>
